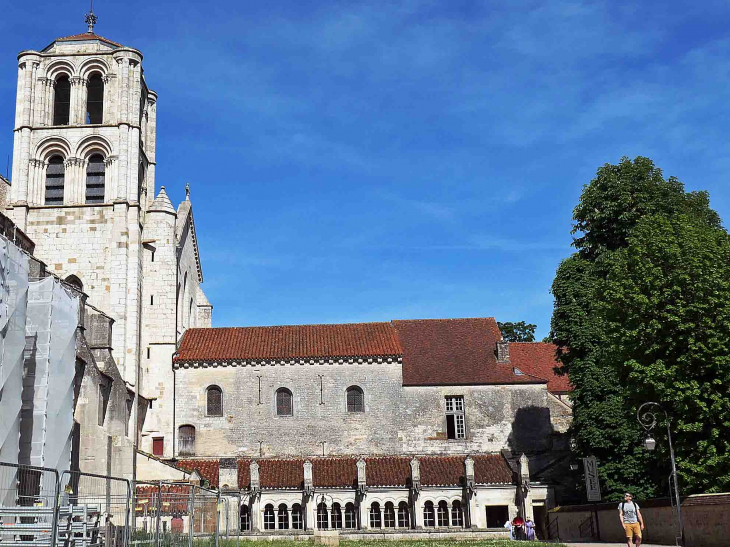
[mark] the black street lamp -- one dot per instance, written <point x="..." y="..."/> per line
<point x="648" y="420"/>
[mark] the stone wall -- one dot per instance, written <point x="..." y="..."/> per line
<point x="704" y="516"/>
<point x="397" y="420"/>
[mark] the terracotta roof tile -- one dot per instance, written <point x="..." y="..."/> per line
<point x="86" y="36"/>
<point x="208" y="469"/>
<point x="289" y="342"/>
<point x="244" y="474"/>
<point x="334" y="472"/>
<point x="388" y="471"/>
<point x="492" y="469"/>
<point x="281" y="473"/>
<point x="453" y="352"/>
<point x="538" y="359"/>
<point x="442" y="471"/>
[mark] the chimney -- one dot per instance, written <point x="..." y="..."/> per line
<point x="415" y="477"/>
<point x="469" y="470"/>
<point x="502" y="351"/>
<point x="524" y="470"/>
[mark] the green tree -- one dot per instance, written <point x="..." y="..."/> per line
<point x="587" y="322"/>
<point x="517" y="331"/>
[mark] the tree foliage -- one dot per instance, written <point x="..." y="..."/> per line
<point x="641" y="314"/>
<point x="517" y="331"/>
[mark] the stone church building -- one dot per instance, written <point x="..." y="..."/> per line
<point x="406" y="424"/>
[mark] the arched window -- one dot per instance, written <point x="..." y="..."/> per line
<point x="355" y="399"/>
<point x="404" y="515"/>
<point x="62" y="101"/>
<point x="55" y="176"/>
<point x="322" y="520"/>
<point x="191" y="317"/>
<point x="442" y="514"/>
<point x="183" y="294"/>
<point x="284" y="405"/>
<point x="297" y="517"/>
<point x="245" y="518"/>
<point x="186" y="440"/>
<point x="269" y="517"/>
<point x="350" y="516"/>
<point x="429" y="519"/>
<point x="75" y="282"/>
<point x="140" y="181"/>
<point x="375" y="515"/>
<point x="95" y="178"/>
<point x="283" y="517"/>
<point x="95" y="99"/>
<point x="336" y="517"/>
<point x="214" y="396"/>
<point x="457" y="515"/>
<point x="389" y="515"/>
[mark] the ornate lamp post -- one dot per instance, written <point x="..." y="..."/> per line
<point x="647" y="417"/>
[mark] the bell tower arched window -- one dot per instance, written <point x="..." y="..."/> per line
<point x="95" y="179"/>
<point x="62" y="101"/>
<point x="55" y="176"/>
<point x="95" y="99"/>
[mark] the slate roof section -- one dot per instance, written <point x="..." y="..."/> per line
<point x="288" y="342"/>
<point x="444" y="352"/>
<point x="538" y="359"/>
<point x="208" y="469"/>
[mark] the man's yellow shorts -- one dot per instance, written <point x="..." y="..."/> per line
<point x="632" y="530"/>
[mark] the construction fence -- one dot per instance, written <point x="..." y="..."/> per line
<point x="39" y="506"/>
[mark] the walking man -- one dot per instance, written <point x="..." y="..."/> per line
<point x="631" y="519"/>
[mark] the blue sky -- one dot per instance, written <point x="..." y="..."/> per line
<point x="367" y="161"/>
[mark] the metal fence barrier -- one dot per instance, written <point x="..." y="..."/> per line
<point x="93" y="510"/>
<point x="40" y="507"/>
<point x="28" y="505"/>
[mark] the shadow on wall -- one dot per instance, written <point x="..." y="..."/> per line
<point x="532" y="430"/>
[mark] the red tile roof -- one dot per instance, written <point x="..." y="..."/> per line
<point x="454" y="352"/>
<point x="492" y="469"/>
<point x="281" y="473"/>
<point x="445" y="471"/>
<point x="334" y="472"/>
<point x="174" y="499"/>
<point x="86" y="36"/>
<point x="538" y="359"/>
<point x="341" y="472"/>
<point x="289" y="342"/>
<point x="388" y="471"/>
<point x="244" y="473"/>
<point x="208" y="469"/>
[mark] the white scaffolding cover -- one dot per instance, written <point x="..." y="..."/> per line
<point x="50" y="363"/>
<point x="13" y="299"/>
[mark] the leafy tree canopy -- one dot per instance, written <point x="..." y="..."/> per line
<point x="640" y="314"/>
<point x="517" y="332"/>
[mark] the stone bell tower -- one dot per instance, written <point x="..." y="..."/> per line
<point x="84" y="172"/>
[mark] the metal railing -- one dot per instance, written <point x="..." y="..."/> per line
<point x="39" y="507"/>
<point x="28" y="505"/>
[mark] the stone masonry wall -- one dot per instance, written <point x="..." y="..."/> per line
<point x="396" y="420"/>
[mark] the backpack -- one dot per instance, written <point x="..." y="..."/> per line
<point x="624" y="503"/>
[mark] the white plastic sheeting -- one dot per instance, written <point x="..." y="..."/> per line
<point x="50" y="367"/>
<point x="13" y="299"/>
